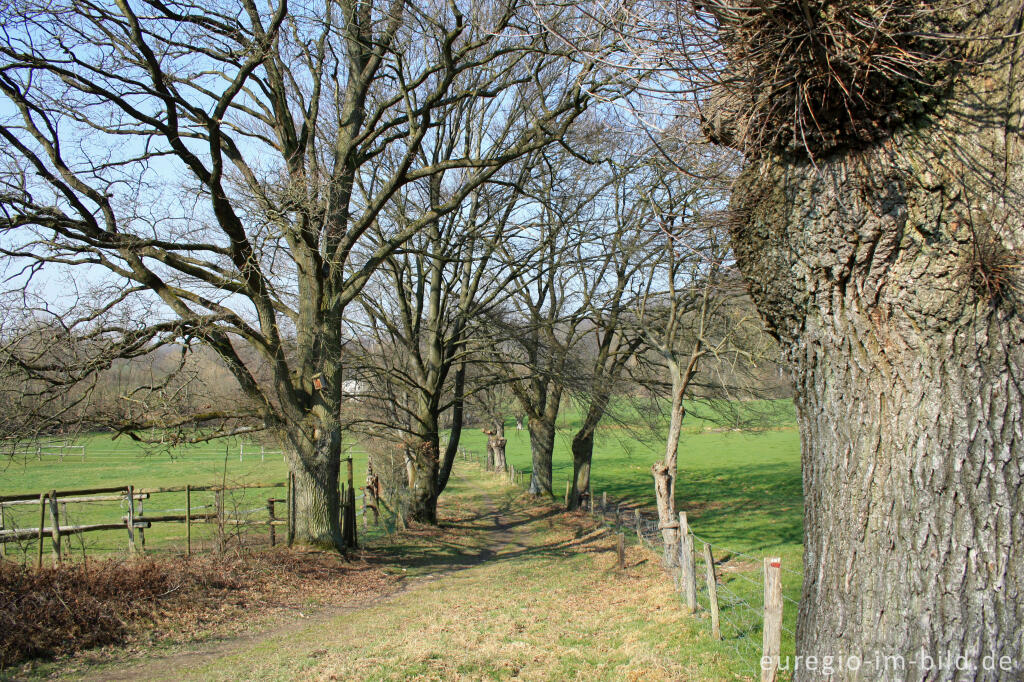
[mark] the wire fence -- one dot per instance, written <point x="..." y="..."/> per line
<point x="735" y="602"/>
<point x="739" y="579"/>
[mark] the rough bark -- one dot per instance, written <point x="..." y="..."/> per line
<point x="423" y="488"/>
<point x="316" y="503"/>
<point x="455" y="435"/>
<point x="500" y="463"/>
<point x="909" y="372"/>
<point x="496" y="446"/>
<point x="542" y="445"/>
<point x="583" y="449"/>
<point x="582" y="455"/>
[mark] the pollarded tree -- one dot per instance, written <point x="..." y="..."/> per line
<point x="875" y="222"/>
<point x="214" y="170"/>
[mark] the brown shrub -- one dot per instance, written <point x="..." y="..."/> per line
<point x="63" y="609"/>
<point x="58" y="611"/>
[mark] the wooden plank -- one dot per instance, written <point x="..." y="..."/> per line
<point x="62" y="493"/>
<point x="772" y="630"/>
<point x="69" y="500"/>
<point x="14" y="534"/>
<point x="207" y="488"/>
<point x="169" y="518"/>
<point x="709" y="569"/>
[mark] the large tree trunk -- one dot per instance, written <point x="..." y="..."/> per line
<point x="542" y="446"/>
<point x="458" y="411"/>
<point x="582" y="454"/>
<point x="909" y="369"/>
<point x="496" y="445"/>
<point x="425" y="466"/>
<point x="315" y="504"/>
<point x="423" y="489"/>
<point x="583" y="449"/>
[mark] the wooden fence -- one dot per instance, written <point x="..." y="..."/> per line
<point x="134" y="521"/>
<point x="704" y="590"/>
<point x="54" y="522"/>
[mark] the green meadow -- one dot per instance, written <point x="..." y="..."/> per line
<point x="740" y="489"/>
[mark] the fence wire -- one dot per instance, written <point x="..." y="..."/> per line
<point x="740" y="597"/>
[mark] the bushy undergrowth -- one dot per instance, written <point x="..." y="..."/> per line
<point x="62" y="609"/>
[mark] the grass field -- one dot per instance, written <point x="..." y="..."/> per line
<point x="742" y="493"/>
<point x="505" y="588"/>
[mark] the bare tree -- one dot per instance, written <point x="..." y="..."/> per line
<point x="687" y="312"/>
<point x="540" y="322"/>
<point x="424" y="305"/>
<point x="219" y="168"/>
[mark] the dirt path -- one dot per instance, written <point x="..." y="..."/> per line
<point x="501" y="524"/>
<point x="505" y="589"/>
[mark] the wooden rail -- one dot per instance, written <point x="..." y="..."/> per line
<point x="135" y="520"/>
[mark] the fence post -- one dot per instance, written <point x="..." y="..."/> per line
<point x="3" y="545"/>
<point x="604" y="502"/>
<point x="709" y="567"/>
<point x="772" y="632"/>
<point x="42" y="522"/>
<point x="620" y="547"/>
<point x="618" y="515"/>
<point x="270" y="521"/>
<point x="131" y="519"/>
<point x="55" y="528"/>
<point x="142" y="531"/>
<point x="638" y="521"/>
<point x="687" y="566"/>
<point x="64" y="515"/>
<point x="188" y="520"/>
<point x="218" y="500"/>
<point x="290" y="525"/>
